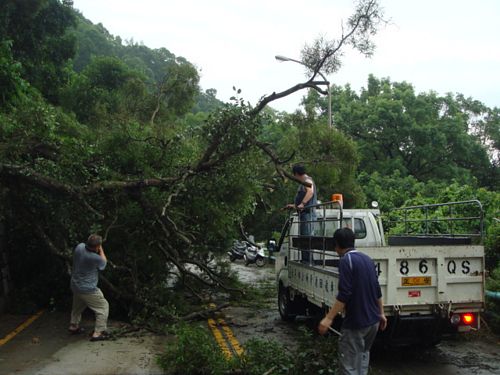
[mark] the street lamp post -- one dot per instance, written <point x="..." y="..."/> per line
<point x="284" y="58"/>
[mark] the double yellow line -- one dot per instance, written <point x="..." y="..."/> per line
<point x="225" y="338"/>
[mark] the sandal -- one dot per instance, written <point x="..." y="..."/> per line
<point x="102" y="337"/>
<point x="76" y="331"/>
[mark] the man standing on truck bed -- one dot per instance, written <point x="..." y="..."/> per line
<point x="361" y="299"/>
<point x="305" y="198"/>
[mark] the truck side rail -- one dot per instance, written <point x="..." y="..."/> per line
<point x="457" y="221"/>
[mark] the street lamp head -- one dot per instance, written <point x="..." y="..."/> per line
<point x="324" y="82"/>
<point x="282" y="58"/>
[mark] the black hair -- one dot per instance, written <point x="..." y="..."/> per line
<point x="344" y="238"/>
<point x="299" y="169"/>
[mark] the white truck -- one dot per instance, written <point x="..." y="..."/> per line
<point x="432" y="283"/>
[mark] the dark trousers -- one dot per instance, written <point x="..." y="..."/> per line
<point x="307" y="229"/>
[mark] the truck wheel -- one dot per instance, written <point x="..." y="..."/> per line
<point x="260" y="262"/>
<point x="232" y="258"/>
<point x="285" y="305"/>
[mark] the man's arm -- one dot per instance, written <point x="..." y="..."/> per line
<point x="380" y="302"/>
<point x="343" y="297"/>
<point x="307" y="197"/>
<point x="103" y="257"/>
<point x="383" y="319"/>
<point x="327" y="321"/>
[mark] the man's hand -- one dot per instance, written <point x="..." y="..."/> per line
<point x="383" y="323"/>
<point x="300" y="207"/>
<point x="100" y="252"/>
<point x="324" y="325"/>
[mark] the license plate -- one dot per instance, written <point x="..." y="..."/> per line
<point x="416" y="281"/>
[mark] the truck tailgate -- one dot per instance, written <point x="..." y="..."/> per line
<point x="429" y="275"/>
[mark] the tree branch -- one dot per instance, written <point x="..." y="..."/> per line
<point x="50" y="184"/>
<point x="281" y="171"/>
<point x="275" y="96"/>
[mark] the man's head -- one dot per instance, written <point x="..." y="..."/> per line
<point x="299" y="172"/>
<point x="93" y="242"/>
<point x="344" y="240"/>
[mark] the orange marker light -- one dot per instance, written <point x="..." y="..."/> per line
<point x="338" y="198"/>
<point x="468" y="319"/>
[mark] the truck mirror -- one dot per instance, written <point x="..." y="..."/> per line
<point x="271" y="245"/>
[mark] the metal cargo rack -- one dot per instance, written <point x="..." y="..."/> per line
<point x="452" y="223"/>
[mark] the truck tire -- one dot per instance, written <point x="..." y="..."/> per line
<point x="285" y="305"/>
<point x="260" y="262"/>
<point x="290" y="309"/>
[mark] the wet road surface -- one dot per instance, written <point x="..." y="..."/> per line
<point x="478" y="353"/>
<point x="46" y="348"/>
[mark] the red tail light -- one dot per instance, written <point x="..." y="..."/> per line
<point x="468" y="319"/>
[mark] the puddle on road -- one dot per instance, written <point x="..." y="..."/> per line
<point x="263" y="322"/>
<point x="252" y="274"/>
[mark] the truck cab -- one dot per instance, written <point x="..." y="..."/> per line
<point x="431" y="274"/>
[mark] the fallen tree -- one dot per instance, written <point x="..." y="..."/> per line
<point x="165" y="196"/>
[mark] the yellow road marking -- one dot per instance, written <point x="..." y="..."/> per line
<point x="20" y="328"/>
<point x="219" y="338"/>
<point x="230" y="336"/>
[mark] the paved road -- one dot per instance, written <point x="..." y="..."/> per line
<point x="477" y="354"/>
<point x="45" y="348"/>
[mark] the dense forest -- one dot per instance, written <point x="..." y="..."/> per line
<point x="103" y="135"/>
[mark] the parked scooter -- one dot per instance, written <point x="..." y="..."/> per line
<point x="237" y="251"/>
<point x="254" y="254"/>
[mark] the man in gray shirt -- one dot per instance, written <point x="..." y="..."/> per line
<point x="304" y="202"/>
<point x="88" y="260"/>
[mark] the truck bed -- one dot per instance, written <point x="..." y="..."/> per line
<point x="410" y="276"/>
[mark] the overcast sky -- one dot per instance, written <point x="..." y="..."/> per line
<point x="440" y="45"/>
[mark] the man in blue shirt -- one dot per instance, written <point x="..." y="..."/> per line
<point x="360" y="298"/>
<point x="88" y="260"/>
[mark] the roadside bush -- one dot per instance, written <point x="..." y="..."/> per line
<point x="493" y="306"/>
<point x="493" y="282"/>
<point x="316" y="355"/>
<point x="193" y="351"/>
<point x="492" y="245"/>
<point x="266" y="356"/>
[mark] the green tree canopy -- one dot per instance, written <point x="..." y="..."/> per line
<point x="40" y="41"/>
<point x="425" y="135"/>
